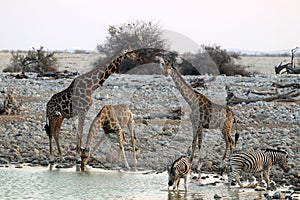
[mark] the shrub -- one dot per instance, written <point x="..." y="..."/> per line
<point x="214" y="60"/>
<point x="225" y="61"/>
<point x="38" y="61"/>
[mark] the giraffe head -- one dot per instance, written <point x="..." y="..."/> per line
<point x="167" y="65"/>
<point x="85" y="155"/>
<point x="133" y="55"/>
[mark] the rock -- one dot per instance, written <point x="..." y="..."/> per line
<point x="44" y="163"/>
<point x="3" y="161"/>
<point x="216" y="196"/>
<point x="260" y="189"/>
<point x="276" y="195"/>
<point x="207" y="164"/>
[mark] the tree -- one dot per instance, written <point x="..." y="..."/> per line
<point x="138" y="34"/>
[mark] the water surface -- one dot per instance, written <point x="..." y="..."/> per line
<point x="46" y="183"/>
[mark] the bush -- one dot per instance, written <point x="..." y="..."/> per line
<point x="225" y="61"/>
<point x="214" y="60"/>
<point x="35" y="61"/>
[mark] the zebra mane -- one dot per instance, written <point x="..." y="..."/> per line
<point x="276" y="151"/>
<point x="173" y="160"/>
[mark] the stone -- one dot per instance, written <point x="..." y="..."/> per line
<point x="3" y="161"/>
<point x="44" y="163"/>
<point x="276" y="195"/>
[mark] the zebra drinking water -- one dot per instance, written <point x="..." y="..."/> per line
<point x="180" y="168"/>
<point x="260" y="161"/>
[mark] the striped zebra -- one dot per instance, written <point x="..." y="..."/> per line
<point x="180" y="168"/>
<point x="260" y="161"/>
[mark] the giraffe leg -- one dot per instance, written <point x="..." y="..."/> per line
<point x="57" y="129"/>
<point x="58" y="144"/>
<point x="122" y="141"/>
<point x="222" y="165"/>
<point x="50" y="130"/>
<point x="51" y="159"/>
<point x="200" y="142"/>
<point x="194" y="144"/>
<point x="131" y="129"/>
<point x="226" y="131"/>
<point x="81" y="119"/>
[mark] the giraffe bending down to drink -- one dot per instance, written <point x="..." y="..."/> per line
<point x="204" y="113"/>
<point x="113" y="119"/>
<point x="77" y="99"/>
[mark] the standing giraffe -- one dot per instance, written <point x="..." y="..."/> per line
<point x="113" y="119"/>
<point x="204" y="113"/>
<point x="77" y="99"/>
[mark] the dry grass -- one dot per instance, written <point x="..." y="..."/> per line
<point x="66" y="61"/>
<point x="263" y="65"/>
<point x="83" y="62"/>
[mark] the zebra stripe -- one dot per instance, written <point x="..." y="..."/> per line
<point x="260" y="161"/>
<point x="180" y="168"/>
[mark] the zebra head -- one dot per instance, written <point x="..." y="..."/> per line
<point x="180" y="168"/>
<point x="85" y="155"/>
<point x="284" y="163"/>
<point x="279" y="157"/>
<point x="172" y="175"/>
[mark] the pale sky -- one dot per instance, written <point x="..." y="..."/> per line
<point x="261" y="25"/>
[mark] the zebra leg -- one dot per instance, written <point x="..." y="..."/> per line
<point x="186" y="183"/>
<point x="177" y="184"/>
<point x="238" y="180"/>
<point x="230" y="176"/>
<point x="261" y="178"/>
<point x="267" y="176"/>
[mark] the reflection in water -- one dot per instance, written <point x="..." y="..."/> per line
<point x="53" y="183"/>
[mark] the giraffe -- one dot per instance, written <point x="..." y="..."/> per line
<point x="77" y="99"/>
<point x="204" y="113"/>
<point x="113" y="119"/>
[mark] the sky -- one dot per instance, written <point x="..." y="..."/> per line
<point x="258" y="25"/>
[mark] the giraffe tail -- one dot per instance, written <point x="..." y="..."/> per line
<point x="237" y="135"/>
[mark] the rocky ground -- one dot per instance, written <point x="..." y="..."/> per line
<point x="163" y="129"/>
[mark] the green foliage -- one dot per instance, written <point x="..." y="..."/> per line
<point x="38" y="61"/>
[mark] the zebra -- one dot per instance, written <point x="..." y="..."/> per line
<point x="259" y="161"/>
<point x="180" y="168"/>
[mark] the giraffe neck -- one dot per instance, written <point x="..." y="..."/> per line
<point x="188" y="93"/>
<point x="95" y="78"/>
<point x="111" y="68"/>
